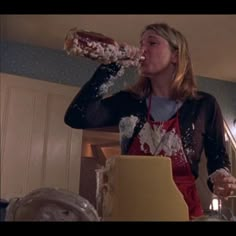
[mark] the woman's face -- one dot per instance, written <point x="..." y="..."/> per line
<point x="158" y="54"/>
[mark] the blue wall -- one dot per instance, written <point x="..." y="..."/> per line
<point x="50" y="65"/>
<point x="56" y="66"/>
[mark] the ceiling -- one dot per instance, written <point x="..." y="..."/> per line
<point x="211" y="38"/>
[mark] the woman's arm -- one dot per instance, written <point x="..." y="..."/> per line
<point x="214" y="140"/>
<point x="88" y="109"/>
<point x="218" y="163"/>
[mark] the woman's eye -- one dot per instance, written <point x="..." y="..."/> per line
<point x="152" y="43"/>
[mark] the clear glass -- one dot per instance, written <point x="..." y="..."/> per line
<point x="50" y="204"/>
<point x="218" y="212"/>
<point x="99" y="47"/>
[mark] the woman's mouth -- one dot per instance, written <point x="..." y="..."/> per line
<point x="142" y="58"/>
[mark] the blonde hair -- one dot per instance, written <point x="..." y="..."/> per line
<point x="184" y="85"/>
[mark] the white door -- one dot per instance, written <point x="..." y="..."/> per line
<point x="37" y="148"/>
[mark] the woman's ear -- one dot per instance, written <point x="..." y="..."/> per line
<point x="174" y="56"/>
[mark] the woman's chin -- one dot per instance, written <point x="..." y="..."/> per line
<point x="143" y="73"/>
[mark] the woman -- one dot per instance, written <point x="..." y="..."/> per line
<point x="162" y="114"/>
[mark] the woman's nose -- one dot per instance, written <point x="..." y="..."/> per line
<point x="142" y="50"/>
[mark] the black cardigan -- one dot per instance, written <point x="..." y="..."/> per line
<point x="201" y="122"/>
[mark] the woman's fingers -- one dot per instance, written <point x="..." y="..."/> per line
<point x="224" y="186"/>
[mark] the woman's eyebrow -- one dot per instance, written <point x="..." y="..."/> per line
<point x="149" y="37"/>
<point x="152" y="37"/>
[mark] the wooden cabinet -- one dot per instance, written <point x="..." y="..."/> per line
<point x="37" y="148"/>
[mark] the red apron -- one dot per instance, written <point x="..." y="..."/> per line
<point x="164" y="138"/>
